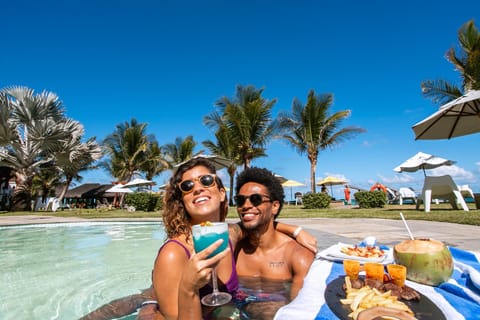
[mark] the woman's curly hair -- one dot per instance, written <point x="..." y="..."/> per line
<point x="176" y="219"/>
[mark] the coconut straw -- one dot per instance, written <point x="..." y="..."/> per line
<point x="406" y="226"/>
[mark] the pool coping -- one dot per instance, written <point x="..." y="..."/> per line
<point x="328" y="231"/>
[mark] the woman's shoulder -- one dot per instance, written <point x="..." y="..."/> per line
<point x="174" y="249"/>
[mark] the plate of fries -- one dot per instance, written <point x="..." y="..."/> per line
<point x="347" y="304"/>
<point x="342" y="251"/>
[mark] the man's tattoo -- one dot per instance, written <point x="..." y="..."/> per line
<point x="276" y="264"/>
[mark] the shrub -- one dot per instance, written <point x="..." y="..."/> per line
<point x="142" y="200"/>
<point x="316" y="200"/>
<point x="159" y="204"/>
<point x="371" y="199"/>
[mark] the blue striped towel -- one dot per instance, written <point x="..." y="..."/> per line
<point x="458" y="299"/>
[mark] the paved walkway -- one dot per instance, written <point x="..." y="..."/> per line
<point x="389" y="232"/>
<point x="330" y="231"/>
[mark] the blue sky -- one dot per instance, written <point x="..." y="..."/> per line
<point x="167" y="62"/>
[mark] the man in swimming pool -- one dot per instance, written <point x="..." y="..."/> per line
<point x="267" y="253"/>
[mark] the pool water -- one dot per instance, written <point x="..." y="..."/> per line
<point x="64" y="271"/>
<point x="256" y="298"/>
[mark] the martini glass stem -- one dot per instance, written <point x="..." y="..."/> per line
<point x="214" y="281"/>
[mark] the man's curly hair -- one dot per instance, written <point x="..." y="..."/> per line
<point x="176" y="219"/>
<point x="264" y="177"/>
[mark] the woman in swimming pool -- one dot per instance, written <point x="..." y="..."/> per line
<point x="195" y="195"/>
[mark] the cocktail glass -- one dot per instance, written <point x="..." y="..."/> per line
<point x="204" y="236"/>
<point x="398" y="273"/>
<point x="352" y="268"/>
<point x="374" y="270"/>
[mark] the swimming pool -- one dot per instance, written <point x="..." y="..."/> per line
<point x="64" y="271"/>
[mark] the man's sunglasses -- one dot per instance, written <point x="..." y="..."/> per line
<point x="208" y="181"/>
<point x="256" y="199"/>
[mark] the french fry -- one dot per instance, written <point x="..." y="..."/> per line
<point x="366" y="297"/>
<point x="348" y="283"/>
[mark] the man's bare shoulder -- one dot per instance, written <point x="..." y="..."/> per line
<point x="298" y="254"/>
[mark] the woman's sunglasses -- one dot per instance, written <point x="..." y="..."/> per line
<point x="208" y="181"/>
<point x="256" y="199"/>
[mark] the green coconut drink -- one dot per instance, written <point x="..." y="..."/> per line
<point x="428" y="261"/>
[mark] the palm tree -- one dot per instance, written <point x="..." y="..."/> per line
<point x="75" y="157"/>
<point x="33" y="129"/>
<point x="223" y="147"/>
<point x="180" y="151"/>
<point x="44" y="183"/>
<point x="248" y="118"/>
<point x="132" y="151"/>
<point x="155" y="162"/>
<point x="127" y="147"/>
<point x="466" y="62"/>
<point x="310" y="128"/>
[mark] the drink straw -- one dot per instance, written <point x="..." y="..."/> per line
<point x="406" y="226"/>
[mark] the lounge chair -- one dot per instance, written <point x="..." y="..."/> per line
<point x="407" y="194"/>
<point x="392" y="195"/>
<point x="298" y="198"/>
<point x="442" y="187"/>
<point x="466" y="191"/>
<point x="52" y="204"/>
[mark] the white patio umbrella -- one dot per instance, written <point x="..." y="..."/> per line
<point x="118" y="188"/>
<point x="422" y="161"/>
<point x="137" y="182"/>
<point x="280" y="178"/>
<point x="291" y="184"/>
<point x="331" y="181"/>
<point x="140" y="184"/>
<point x="456" y="118"/>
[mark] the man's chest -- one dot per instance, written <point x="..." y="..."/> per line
<point x="269" y="266"/>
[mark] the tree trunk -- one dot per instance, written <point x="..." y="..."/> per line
<point x="22" y="195"/>
<point x="65" y="189"/>
<point x="231" y="173"/>
<point x="313" y="168"/>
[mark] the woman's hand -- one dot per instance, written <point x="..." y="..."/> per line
<point x="307" y="240"/>
<point x="198" y="271"/>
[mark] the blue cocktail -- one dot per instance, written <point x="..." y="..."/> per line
<point x="204" y="236"/>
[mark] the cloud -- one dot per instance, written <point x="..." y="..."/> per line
<point x="336" y="175"/>
<point x="416" y="179"/>
<point x="399" y="179"/>
<point x="367" y="144"/>
<point x="456" y="172"/>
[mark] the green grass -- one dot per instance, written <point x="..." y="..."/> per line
<point x="441" y="213"/>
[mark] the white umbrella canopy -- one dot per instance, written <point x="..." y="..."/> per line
<point x="118" y="188"/>
<point x="456" y="118"/>
<point x="218" y="162"/>
<point x="137" y="182"/>
<point x="422" y="161"/>
<point x="291" y="184"/>
<point x="280" y="178"/>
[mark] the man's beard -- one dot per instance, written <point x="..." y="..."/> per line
<point x="255" y="230"/>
